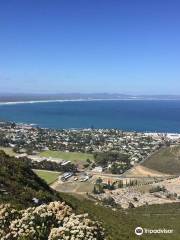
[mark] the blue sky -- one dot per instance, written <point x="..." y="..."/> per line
<point x="125" y="46"/>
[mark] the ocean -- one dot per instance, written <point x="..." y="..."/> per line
<point x="128" y="115"/>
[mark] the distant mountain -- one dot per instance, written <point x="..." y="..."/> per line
<point x="78" y="96"/>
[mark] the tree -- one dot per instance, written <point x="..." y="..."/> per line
<point x="120" y="184"/>
<point x="131" y="205"/>
<point x="16" y="149"/>
<point x="99" y="181"/>
<point x="104" y="158"/>
<point x="88" y="161"/>
<point x="109" y="201"/>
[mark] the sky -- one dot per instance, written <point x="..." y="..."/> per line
<point x="90" y="46"/>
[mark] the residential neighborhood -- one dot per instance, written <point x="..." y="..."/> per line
<point x="31" y="139"/>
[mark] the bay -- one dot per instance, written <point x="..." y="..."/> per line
<point x="128" y="115"/>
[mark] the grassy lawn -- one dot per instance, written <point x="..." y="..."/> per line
<point x="167" y="160"/>
<point x="75" y="157"/>
<point x="48" y="176"/>
<point x="8" y="151"/>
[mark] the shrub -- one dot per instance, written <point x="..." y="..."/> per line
<point x="51" y="221"/>
<point x="157" y="189"/>
<point x="109" y="201"/>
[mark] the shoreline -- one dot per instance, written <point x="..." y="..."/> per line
<point x="82" y="100"/>
<point x="171" y="135"/>
<point x="7" y="106"/>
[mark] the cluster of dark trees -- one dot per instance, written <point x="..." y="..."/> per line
<point x="130" y="183"/>
<point x="119" y="168"/>
<point x="157" y="189"/>
<point x="4" y="142"/>
<point x="120" y="161"/>
<point x="53" y="166"/>
<point x="99" y="186"/>
<point x="104" y="158"/>
<point x="109" y="201"/>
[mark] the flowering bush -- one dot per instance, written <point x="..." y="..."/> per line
<point x="53" y="221"/>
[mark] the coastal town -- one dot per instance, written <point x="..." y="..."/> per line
<point x="110" y="156"/>
<point x="30" y="139"/>
<point x="89" y="120"/>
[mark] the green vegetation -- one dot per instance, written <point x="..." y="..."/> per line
<point x="157" y="189"/>
<point x="120" y="224"/>
<point x="103" y="158"/>
<point x="19" y="184"/>
<point x="120" y="162"/>
<point x="109" y="201"/>
<point x="53" y="221"/>
<point x="52" y="166"/>
<point x="74" y="157"/>
<point x="166" y="160"/>
<point x="48" y="176"/>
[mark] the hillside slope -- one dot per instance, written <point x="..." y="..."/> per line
<point x="19" y="184"/>
<point x="142" y="171"/>
<point x="120" y="224"/>
<point x="47" y="219"/>
<point x="166" y="160"/>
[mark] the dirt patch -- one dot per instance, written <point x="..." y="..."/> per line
<point x="141" y="171"/>
<point x="73" y="187"/>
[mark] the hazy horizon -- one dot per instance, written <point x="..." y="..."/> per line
<point x="85" y="93"/>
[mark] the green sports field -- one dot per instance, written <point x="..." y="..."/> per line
<point x="75" y="157"/>
<point x="48" y="176"/>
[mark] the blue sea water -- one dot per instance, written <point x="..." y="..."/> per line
<point x="133" y="115"/>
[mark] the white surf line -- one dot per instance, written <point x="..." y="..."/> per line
<point x="62" y="100"/>
<point x="84" y="100"/>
